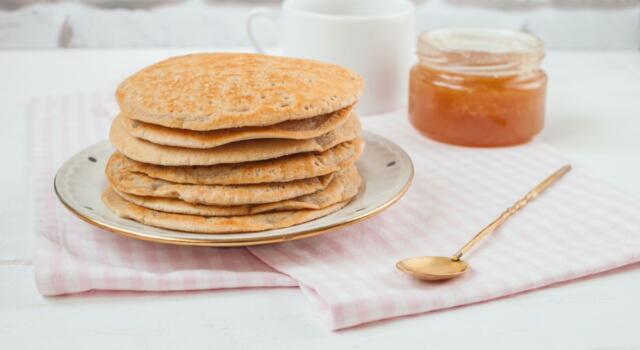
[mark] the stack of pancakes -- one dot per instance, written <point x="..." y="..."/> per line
<point x="218" y="143"/>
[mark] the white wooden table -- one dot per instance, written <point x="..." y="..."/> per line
<point x="593" y="116"/>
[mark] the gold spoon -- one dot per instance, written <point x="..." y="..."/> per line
<point x="437" y="268"/>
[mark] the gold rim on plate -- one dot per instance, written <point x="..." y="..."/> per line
<point x="239" y="242"/>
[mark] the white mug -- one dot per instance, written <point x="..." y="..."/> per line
<point x="373" y="37"/>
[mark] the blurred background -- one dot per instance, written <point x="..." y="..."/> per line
<point x="570" y="24"/>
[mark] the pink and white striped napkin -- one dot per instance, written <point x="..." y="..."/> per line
<point x="578" y="227"/>
<point x="72" y="256"/>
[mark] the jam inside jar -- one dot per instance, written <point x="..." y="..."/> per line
<point x="478" y="87"/>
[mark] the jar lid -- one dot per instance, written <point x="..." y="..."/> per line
<point x="481" y="51"/>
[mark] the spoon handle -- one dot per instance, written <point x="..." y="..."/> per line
<point x="512" y="210"/>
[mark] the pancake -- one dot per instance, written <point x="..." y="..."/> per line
<point x="283" y="169"/>
<point x="236" y="152"/>
<point x="211" y="91"/>
<point x="292" y="129"/>
<point x="203" y="224"/>
<point x="140" y="184"/>
<point x="343" y="187"/>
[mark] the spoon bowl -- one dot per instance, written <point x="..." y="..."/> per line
<point x="432" y="268"/>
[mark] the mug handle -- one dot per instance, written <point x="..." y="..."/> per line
<point x="253" y="15"/>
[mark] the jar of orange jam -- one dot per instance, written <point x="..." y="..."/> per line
<point x="478" y="87"/>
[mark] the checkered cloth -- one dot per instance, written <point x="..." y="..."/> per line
<point x="580" y="226"/>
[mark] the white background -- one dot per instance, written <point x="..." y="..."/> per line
<point x="583" y="24"/>
<point x="593" y="117"/>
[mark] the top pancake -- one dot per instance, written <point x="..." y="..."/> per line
<point x="227" y="90"/>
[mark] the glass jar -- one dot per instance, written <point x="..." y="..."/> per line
<point x="478" y="87"/>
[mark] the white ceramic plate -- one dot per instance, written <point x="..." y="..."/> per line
<point x="386" y="169"/>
